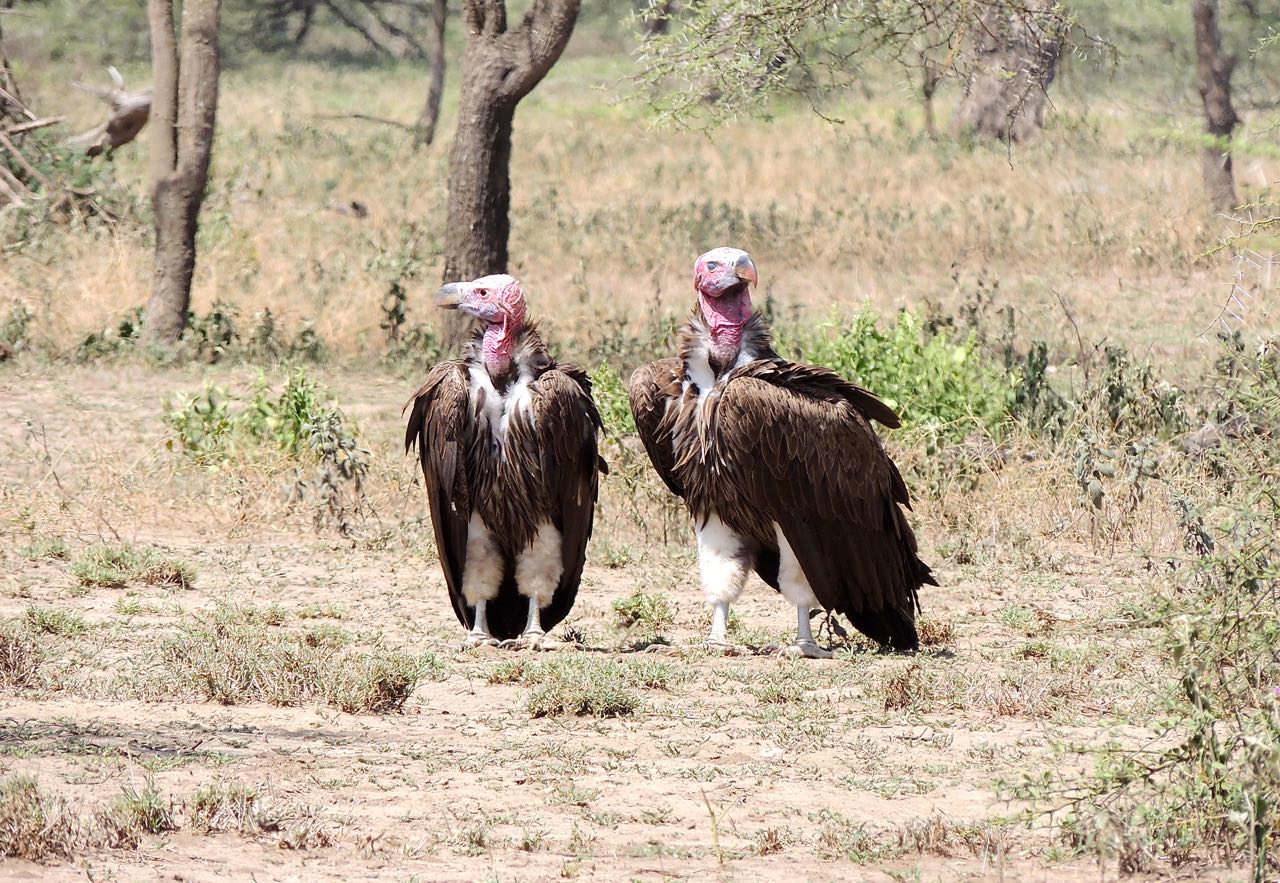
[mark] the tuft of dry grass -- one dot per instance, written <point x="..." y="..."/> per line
<point x="588" y="686"/>
<point x="235" y="654"/>
<point x="936" y="632"/>
<point x="21" y="657"/>
<point x="1027" y="690"/>
<point x="33" y="825"/>
<point x="114" y="567"/>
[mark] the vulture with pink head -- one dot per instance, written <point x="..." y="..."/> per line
<point x="780" y="468"/>
<point x="507" y="440"/>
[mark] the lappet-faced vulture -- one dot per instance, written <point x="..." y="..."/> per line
<point x="780" y="468"/>
<point x="507" y="439"/>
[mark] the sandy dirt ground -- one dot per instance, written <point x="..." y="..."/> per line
<point x="736" y="768"/>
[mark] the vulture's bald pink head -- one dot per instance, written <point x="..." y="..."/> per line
<point x="498" y="302"/>
<point x="723" y="278"/>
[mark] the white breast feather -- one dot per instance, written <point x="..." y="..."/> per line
<point x="499" y="409"/>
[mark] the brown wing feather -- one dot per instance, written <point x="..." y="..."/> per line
<point x="440" y="426"/>
<point x="562" y="437"/>
<point x="654" y="389"/>
<point x="798" y="445"/>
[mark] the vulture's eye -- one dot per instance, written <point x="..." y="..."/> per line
<point x="484" y="293"/>
<point x="713" y="265"/>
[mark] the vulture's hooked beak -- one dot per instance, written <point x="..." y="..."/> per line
<point x="449" y="297"/>
<point x="745" y="269"/>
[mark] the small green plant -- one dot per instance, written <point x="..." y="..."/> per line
<point x="649" y="612"/>
<point x="33" y="825"/>
<point x="610" y="395"/>
<point x="45" y="548"/>
<point x="114" y="567"/>
<point x="233" y="806"/>
<point x="42" y="620"/>
<point x="134" y="813"/>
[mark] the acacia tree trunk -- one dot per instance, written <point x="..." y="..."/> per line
<point x="426" y="128"/>
<point x="184" y="104"/>
<point x="1017" y="59"/>
<point x="930" y="77"/>
<point x="499" y="67"/>
<point x="1219" y="116"/>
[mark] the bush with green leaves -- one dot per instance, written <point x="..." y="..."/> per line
<point x="1209" y="786"/>
<point x="940" y="383"/>
<point x="302" y="426"/>
<point x="610" y="394"/>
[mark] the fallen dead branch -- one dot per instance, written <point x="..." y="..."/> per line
<point x="129" y="113"/>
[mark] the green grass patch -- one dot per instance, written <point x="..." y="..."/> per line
<point x="43" y="620"/>
<point x="234" y="655"/>
<point x="116" y="566"/>
<point x="587" y="686"/>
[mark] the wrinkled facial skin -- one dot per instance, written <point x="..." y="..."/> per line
<point x="722" y="269"/>
<point x="496" y="299"/>
<point x="723" y="278"/>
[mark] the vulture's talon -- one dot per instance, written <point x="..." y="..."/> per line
<point x="805" y="650"/>
<point x="475" y="641"/>
<point x="726" y="648"/>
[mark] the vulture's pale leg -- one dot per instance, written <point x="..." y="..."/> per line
<point x="538" y="570"/>
<point x="479" y="634"/>
<point x="481" y="577"/>
<point x="795" y="587"/>
<point x="722" y="565"/>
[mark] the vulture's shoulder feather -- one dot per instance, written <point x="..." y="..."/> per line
<point x="804" y="441"/>
<point x="558" y="436"/>
<point x="439" y="426"/>
<point x="655" y="390"/>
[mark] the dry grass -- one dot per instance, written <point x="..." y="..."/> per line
<point x="608" y="214"/>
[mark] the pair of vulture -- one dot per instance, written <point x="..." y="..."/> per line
<point x="777" y="462"/>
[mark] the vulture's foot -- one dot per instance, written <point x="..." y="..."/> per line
<point x="804" y="650"/>
<point x="530" y="640"/>
<point x="724" y="647"/>
<point x="478" y="639"/>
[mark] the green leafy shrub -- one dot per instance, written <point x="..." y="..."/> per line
<point x="936" y="382"/>
<point x="330" y="463"/>
<point x="610" y="394"/>
<point x="1212" y="790"/>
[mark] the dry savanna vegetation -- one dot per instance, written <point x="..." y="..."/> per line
<point x="226" y="647"/>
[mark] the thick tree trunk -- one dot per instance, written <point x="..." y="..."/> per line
<point x="426" y="129"/>
<point x="184" y="106"/>
<point x="479" y="180"/>
<point x="1017" y="60"/>
<point x="499" y="67"/>
<point x="1219" y="116"/>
